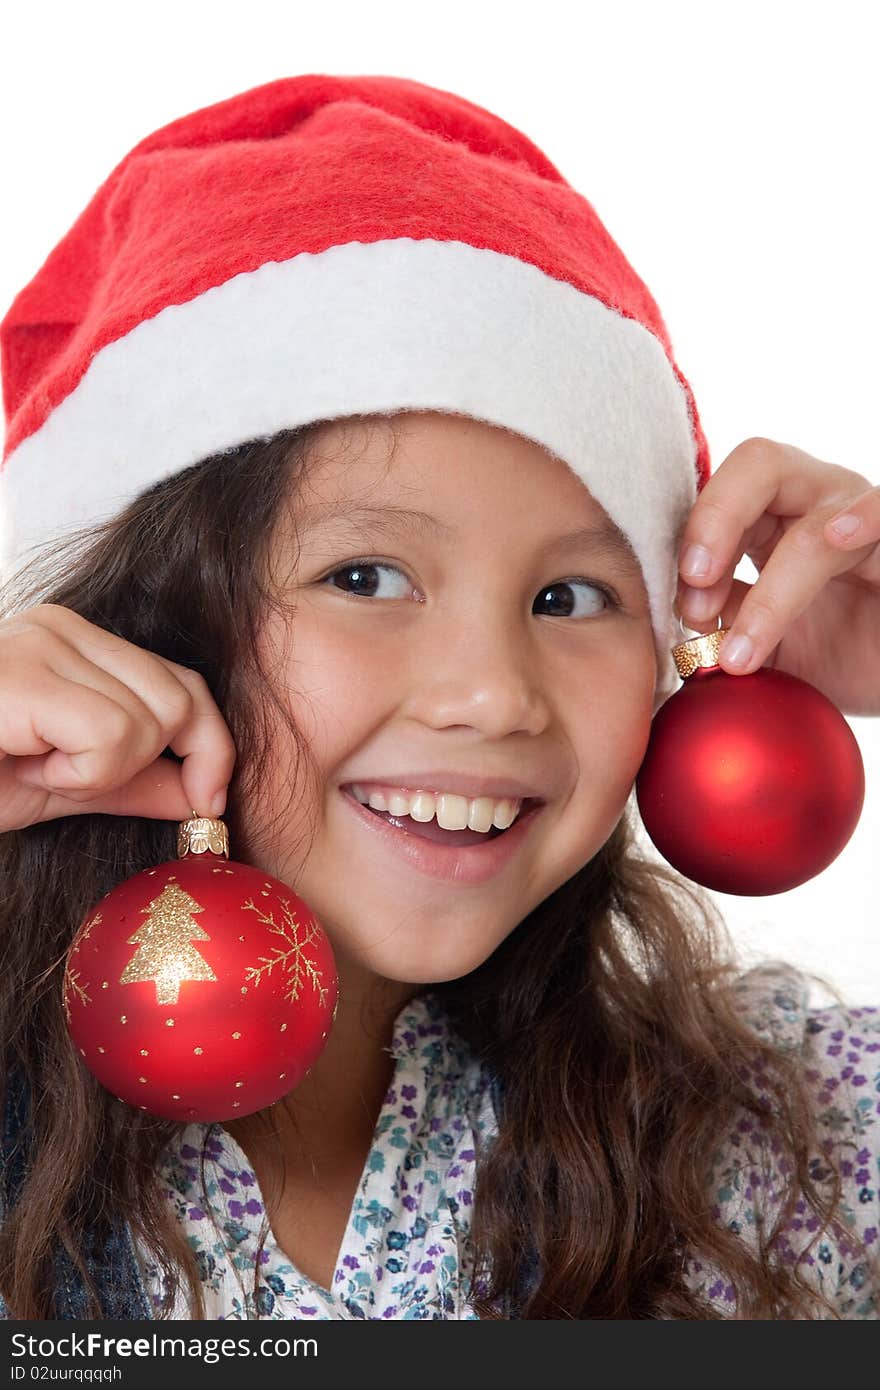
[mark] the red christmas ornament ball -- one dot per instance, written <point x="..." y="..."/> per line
<point x="202" y="989"/>
<point x="751" y="784"/>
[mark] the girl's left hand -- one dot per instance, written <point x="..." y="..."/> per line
<point x="814" y="610"/>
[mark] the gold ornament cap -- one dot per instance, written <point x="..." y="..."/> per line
<point x="698" y="652"/>
<point x="201" y="834"/>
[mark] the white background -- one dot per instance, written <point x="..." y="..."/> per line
<point x="732" y="151"/>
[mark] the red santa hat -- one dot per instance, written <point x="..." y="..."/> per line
<point x="322" y="246"/>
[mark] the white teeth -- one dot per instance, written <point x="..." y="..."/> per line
<point x="453" y="812"/>
<point x="422" y="806"/>
<point x="506" y="812"/>
<point x="480" y="813"/>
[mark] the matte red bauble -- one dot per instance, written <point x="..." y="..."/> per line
<point x="751" y="784"/>
<point x="202" y="989"/>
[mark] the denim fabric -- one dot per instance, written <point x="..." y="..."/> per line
<point x="112" y="1263"/>
<point x="528" y="1275"/>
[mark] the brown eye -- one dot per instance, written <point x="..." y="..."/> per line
<point x="361" y="579"/>
<point x="559" y="596"/>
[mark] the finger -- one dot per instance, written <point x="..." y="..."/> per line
<point x="759" y="487"/>
<point x="858" y="523"/>
<point x="723" y="613"/>
<point x="68" y="709"/>
<point x="728" y="605"/>
<point x="205" y="744"/>
<point x="157" y="693"/>
<point x="799" y="568"/>
<point x="94" y="739"/>
<point x="699" y="608"/>
<point x="43" y="785"/>
<point x="156" y="792"/>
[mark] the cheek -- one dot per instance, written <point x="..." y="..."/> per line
<point x="629" y="730"/>
<point x="611" y="723"/>
<point x="334" y="686"/>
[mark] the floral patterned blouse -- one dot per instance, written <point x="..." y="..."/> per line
<point x="405" y="1252"/>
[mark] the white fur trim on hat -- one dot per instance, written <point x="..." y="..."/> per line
<point x="385" y="326"/>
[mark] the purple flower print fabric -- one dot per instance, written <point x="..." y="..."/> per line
<point x="406" y="1250"/>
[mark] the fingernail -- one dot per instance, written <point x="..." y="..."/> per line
<point x="846" y="525"/>
<point x="696" y="561"/>
<point x="737" y="651"/>
<point x="218" y="805"/>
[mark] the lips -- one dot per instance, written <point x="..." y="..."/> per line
<point x="463" y="866"/>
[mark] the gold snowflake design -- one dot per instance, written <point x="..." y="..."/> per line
<point x="72" y="982"/>
<point x="291" y="959"/>
<point x="71" y="978"/>
<point x="87" y="929"/>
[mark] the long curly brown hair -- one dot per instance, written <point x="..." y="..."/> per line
<point x="609" y="1013"/>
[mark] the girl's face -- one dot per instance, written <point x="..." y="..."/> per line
<point x="443" y="624"/>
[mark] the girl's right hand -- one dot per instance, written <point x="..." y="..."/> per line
<point x="84" y="718"/>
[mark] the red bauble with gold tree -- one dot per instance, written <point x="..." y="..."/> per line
<point x="202" y="989"/>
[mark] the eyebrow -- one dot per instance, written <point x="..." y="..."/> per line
<point x="602" y="538"/>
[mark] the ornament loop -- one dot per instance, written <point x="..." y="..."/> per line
<point x="684" y="628"/>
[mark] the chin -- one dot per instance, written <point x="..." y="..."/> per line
<point x="437" y="966"/>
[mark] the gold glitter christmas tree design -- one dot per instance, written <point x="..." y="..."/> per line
<point x="293" y="959"/>
<point x="166" y="956"/>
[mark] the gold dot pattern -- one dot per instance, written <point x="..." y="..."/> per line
<point x="236" y="1035"/>
<point x="197" y="1051"/>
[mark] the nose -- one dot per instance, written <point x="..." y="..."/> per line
<point x="477" y="670"/>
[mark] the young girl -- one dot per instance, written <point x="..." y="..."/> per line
<point x="349" y="468"/>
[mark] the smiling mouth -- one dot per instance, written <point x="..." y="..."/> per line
<point x="431" y="830"/>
